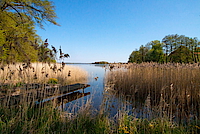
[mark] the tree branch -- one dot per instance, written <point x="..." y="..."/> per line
<point x="16" y="11"/>
<point x="26" y="5"/>
<point x="5" y="5"/>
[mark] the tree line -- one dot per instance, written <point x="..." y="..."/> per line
<point x="172" y="48"/>
<point x="18" y="39"/>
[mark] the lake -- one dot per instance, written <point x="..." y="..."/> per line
<point x="96" y="88"/>
<point x="97" y="96"/>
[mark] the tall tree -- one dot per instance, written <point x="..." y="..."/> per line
<point x="170" y="43"/>
<point x="181" y="55"/>
<point x="156" y="53"/>
<point x="140" y="55"/>
<point x="135" y="57"/>
<point x="177" y="48"/>
<point x="38" y="11"/>
<point x="143" y="52"/>
<point x="18" y="39"/>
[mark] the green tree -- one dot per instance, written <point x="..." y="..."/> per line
<point x="135" y="57"/>
<point x="143" y="53"/>
<point x="173" y="42"/>
<point x="139" y="56"/>
<point x="155" y="54"/>
<point x="181" y="55"/>
<point x="170" y="43"/>
<point x="39" y="11"/>
<point x="18" y="38"/>
<point x="196" y="54"/>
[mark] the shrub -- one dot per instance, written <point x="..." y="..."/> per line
<point x="52" y="81"/>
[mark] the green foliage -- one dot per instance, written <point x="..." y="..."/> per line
<point x="26" y="119"/>
<point x="18" y="39"/>
<point x="146" y="54"/>
<point x="135" y="57"/>
<point x="181" y="55"/>
<point x="174" y="42"/>
<point x="101" y="62"/>
<point x="130" y="124"/>
<point x="155" y="54"/>
<point x="52" y="81"/>
<point x="38" y="11"/>
<point x="173" y="48"/>
<point x="89" y="125"/>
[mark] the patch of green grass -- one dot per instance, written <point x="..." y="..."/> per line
<point x="89" y="125"/>
<point x="131" y="125"/>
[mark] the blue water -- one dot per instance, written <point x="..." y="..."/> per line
<point x="96" y="88"/>
<point x="98" y="99"/>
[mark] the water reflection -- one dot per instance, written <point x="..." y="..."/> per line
<point x="62" y="100"/>
<point x="96" y="81"/>
<point x="102" y="97"/>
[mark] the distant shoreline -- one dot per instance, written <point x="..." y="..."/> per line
<point x="77" y="63"/>
<point x="96" y="63"/>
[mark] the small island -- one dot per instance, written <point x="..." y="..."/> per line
<point x="101" y="62"/>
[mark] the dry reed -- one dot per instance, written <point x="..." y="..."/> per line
<point x="170" y="90"/>
<point x="41" y="73"/>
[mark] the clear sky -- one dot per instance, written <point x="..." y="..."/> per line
<point x="109" y="30"/>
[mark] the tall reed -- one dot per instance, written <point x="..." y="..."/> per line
<point x="41" y="72"/>
<point x="169" y="90"/>
<point x="19" y="112"/>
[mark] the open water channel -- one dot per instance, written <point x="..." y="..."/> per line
<point x="97" y="96"/>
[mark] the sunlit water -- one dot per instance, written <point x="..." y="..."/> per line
<point x="98" y="99"/>
<point x="96" y="88"/>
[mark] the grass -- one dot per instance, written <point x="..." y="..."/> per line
<point x="26" y="118"/>
<point x="49" y="120"/>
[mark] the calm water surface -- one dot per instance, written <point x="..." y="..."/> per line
<point x="98" y="97"/>
<point x="96" y="88"/>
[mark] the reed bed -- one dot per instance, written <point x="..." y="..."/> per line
<point x="19" y="113"/>
<point x="49" y="118"/>
<point x="170" y="91"/>
<point x="41" y="73"/>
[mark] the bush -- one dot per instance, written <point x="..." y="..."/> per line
<point x="52" y="81"/>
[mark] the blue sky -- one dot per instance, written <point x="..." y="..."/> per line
<point x="109" y="30"/>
